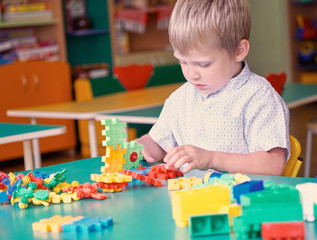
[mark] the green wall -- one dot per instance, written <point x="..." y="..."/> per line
<point x="269" y="51"/>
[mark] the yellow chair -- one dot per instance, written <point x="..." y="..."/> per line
<point x="83" y="92"/>
<point x="295" y="161"/>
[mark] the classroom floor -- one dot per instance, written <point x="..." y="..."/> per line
<point x="299" y="117"/>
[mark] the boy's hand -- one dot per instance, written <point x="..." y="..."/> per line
<point x="197" y="158"/>
<point x="146" y="155"/>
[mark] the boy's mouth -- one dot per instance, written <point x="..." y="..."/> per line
<point x="199" y="86"/>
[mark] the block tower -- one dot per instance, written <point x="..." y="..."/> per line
<point x="119" y="155"/>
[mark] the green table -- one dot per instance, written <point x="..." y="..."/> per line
<point x="139" y="212"/>
<point x="294" y="94"/>
<point x="15" y="132"/>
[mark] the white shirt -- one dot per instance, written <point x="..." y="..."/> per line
<point x="244" y="116"/>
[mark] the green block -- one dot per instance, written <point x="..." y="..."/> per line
<point x="208" y="225"/>
<point x="41" y="194"/>
<point x="280" y="195"/>
<point x="114" y="132"/>
<point x="133" y="155"/>
<point x="248" y="225"/>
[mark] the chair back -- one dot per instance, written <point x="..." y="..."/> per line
<point x="133" y="76"/>
<point x="277" y="81"/>
<point x="294" y="162"/>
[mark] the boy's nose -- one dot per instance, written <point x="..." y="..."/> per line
<point x="192" y="73"/>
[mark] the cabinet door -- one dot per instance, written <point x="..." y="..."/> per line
<point x="35" y="83"/>
<point x="15" y="91"/>
<point x="51" y="84"/>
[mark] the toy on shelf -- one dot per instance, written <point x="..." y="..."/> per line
<point x="305" y="28"/>
<point x="307" y="53"/>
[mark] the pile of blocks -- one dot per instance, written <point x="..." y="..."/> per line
<point x="42" y="189"/>
<point x="251" y="208"/>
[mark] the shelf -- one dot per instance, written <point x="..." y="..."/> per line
<point x="303" y="2"/>
<point x="89" y="32"/>
<point x="154" y="57"/>
<point x="32" y="23"/>
<point x="307" y="67"/>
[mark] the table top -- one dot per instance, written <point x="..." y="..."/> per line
<point x="14" y="132"/>
<point x="294" y="94"/>
<point x="139" y="211"/>
<point x="298" y="94"/>
<point x="150" y="96"/>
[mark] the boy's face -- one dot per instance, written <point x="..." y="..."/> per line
<point x="210" y="70"/>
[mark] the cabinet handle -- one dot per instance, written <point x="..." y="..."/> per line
<point x="24" y="83"/>
<point x="36" y="82"/>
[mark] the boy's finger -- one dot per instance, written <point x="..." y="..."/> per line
<point x="188" y="168"/>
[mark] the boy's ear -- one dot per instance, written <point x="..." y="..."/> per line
<point x="243" y="50"/>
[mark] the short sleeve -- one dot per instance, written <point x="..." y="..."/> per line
<point x="267" y="122"/>
<point x="162" y="132"/>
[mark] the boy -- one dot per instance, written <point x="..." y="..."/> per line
<point x="225" y="117"/>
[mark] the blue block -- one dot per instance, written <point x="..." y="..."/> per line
<point x="246" y="187"/>
<point x="88" y="225"/>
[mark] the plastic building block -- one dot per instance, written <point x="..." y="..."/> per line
<point x="159" y="171"/>
<point x="112" y="187"/>
<point x="3" y="197"/>
<point x="283" y="230"/>
<point x="111" y="178"/>
<point x="212" y="174"/>
<point x="114" y="132"/>
<point x="86" y="190"/>
<point x="143" y="178"/>
<point x="233" y="210"/>
<point x="248" y="225"/>
<point x="64" y="197"/>
<point x="308" y="196"/>
<point x="198" y="201"/>
<point x="88" y="225"/>
<point x="114" y="159"/>
<point x="246" y="187"/>
<point x="180" y="183"/>
<point x="41" y="194"/>
<point x="133" y="155"/>
<point x="240" y="178"/>
<point x="208" y="225"/>
<point x="53" y="224"/>
<point x="285" y="195"/>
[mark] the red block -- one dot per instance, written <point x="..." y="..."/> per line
<point x="142" y="178"/>
<point x="283" y="230"/>
<point x="160" y="172"/>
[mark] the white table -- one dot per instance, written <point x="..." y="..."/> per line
<point x="87" y="110"/>
<point x="15" y="132"/>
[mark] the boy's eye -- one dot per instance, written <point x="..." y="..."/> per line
<point x="204" y="65"/>
<point x="181" y="62"/>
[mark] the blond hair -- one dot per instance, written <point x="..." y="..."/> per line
<point x="201" y="24"/>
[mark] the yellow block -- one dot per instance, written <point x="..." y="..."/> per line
<point x="181" y="183"/>
<point x="233" y="210"/>
<point x="198" y="201"/>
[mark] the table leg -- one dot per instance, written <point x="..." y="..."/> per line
<point x="36" y="149"/>
<point x="92" y="138"/>
<point x="28" y="158"/>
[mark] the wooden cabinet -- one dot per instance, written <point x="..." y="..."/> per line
<point x="30" y="84"/>
<point x="303" y="40"/>
<point x="149" y="46"/>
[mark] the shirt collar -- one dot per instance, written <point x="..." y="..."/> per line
<point x="234" y="83"/>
